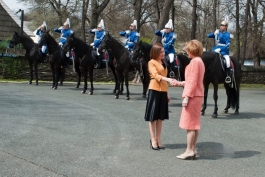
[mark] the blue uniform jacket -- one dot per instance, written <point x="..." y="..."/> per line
<point x="39" y="33"/>
<point x="65" y="33"/>
<point x="168" y="40"/>
<point x="222" y="41"/>
<point x="99" y="36"/>
<point x="132" y="37"/>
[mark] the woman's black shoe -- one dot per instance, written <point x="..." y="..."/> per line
<point x="151" y="146"/>
<point x="161" y="147"/>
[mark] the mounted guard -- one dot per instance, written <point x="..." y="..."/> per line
<point x="132" y="36"/>
<point x="222" y="43"/>
<point x="168" y="40"/>
<point x="43" y="50"/>
<point x="99" y="36"/>
<point x="65" y="32"/>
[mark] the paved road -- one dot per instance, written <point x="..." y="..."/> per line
<point x="45" y="132"/>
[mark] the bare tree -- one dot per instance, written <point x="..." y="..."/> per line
<point x="245" y="30"/>
<point x="84" y="19"/>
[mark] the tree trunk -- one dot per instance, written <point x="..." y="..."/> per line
<point x="137" y="12"/>
<point x="237" y="31"/>
<point x="194" y="20"/>
<point x="244" y="40"/>
<point x="83" y="20"/>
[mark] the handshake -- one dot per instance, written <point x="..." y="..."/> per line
<point x="174" y="82"/>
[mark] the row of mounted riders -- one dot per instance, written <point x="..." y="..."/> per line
<point x="121" y="61"/>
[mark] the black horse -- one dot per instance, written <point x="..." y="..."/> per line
<point x="141" y="55"/>
<point x="32" y="53"/>
<point x="215" y="74"/>
<point x="84" y="60"/>
<point x="121" y="62"/>
<point x="55" y="60"/>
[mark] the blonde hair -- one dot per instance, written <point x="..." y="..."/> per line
<point x="155" y="50"/>
<point x="194" y="47"/>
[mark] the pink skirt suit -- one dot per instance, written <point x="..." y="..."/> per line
<point x="193" y="88"/>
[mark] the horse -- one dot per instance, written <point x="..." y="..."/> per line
<point x="141" y="55"/>
<point x="55" y="60"/>
<point x="84" y="59"/>
<point x="121" y="62"/>
<point x="32" y="53"/>
<point x="216" y="75"/>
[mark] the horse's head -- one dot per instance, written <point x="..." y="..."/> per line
<point x="105" y="44"/>
<point x="44" y="38"/>
<point x="137" y="51"/>
<point x="15" y="40"/>
<point x="69" y="44"/>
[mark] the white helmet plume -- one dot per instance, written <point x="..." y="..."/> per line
<point x="134" y="24"/>
<point x="169" y="24"/>
<point x="67" y="22"/>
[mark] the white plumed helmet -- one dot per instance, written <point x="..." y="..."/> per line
<point x="44" y="25"/>
<point x="101" y="24"/>
<point x="67" y="22"/>
<point x="134" y="24"/>
<point x="169" y="24"/>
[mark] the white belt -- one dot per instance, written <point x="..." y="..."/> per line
<point x="221" y="44"/>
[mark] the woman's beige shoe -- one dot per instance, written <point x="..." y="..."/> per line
<point x="190" y="156"/>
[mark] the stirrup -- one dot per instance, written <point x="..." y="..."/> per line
<point x="228" y="79"/>
<point x="172" y="74"/>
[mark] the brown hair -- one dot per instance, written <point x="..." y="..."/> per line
<point x="155" y="50"/>
<point x="194" y="47"/>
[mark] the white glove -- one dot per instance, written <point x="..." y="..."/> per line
<point x="163" y="30"/>
<point x="216" y="32"/>
<point x="127" y="47"/>
<point x="60" y="28"/>
<point x="92" y="44"/>
<point x="185" y="101"/>
<point x="217" y="50"/>
<point x="127" y="31"/>
<point x="60" y="44"/>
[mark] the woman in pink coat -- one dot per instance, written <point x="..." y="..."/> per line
<point x="192" y="97"/>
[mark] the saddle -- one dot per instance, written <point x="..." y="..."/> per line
<point x="223" y="63"/>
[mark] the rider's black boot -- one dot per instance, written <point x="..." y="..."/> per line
<point x="228" y="75"/>
<point x="98" y="62"/>
<point x="171" y="70"/>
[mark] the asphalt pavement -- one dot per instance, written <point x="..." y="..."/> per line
<point x="45" y="132"/>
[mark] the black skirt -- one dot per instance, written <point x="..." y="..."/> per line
<point x="156" y="106"/>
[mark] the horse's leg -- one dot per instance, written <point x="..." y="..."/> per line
<point x="215" y="97"/>
<point x="53" y="76"/>
<point x="62" y="75"/>
<point x="119" y="77"/>
<point x="126" y="77"/>
<point x="122" y="83"/>
<point x="85" y="80"/>
<point x="36" y="72"/>
<point x="145" y="80"/>
<point x="30" y="72"/>
<point x="237" y="99"/>
<point x="228" y="98"/>
<point x="90" y="70"/>
<point x="115" y="78"/>
<point x="57" y="68"/>
<point x="206" y="88"/>
<point x="78" y="71"/>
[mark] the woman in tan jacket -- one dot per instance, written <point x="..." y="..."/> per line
<point x="157" y="102"/>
